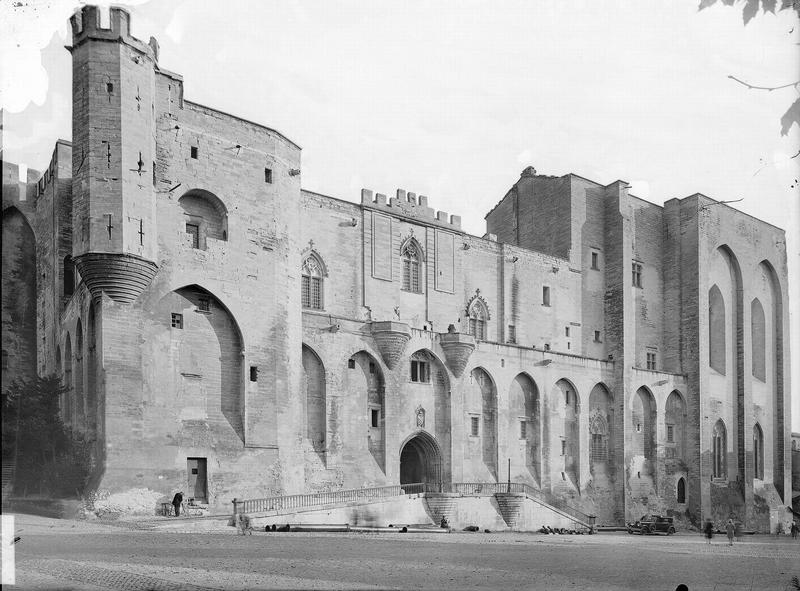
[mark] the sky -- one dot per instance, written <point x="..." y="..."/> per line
<point x="453" y="99"/>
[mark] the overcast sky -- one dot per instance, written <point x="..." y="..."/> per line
<point x="453" y="99"/>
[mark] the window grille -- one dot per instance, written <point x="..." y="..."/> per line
<point x="599" y="449"/>
<point x="411" y="268"/>
<point x="420" y="371"/>
<point x="651" y="360"/>
<point x="670" y="434"/>
<point x="177" y="320"/>
<point x="523" y="429"/>
<point x="595" y="259"/>
<point x="475" y="426"/>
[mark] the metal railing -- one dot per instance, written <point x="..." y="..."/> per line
<point x="279" y="503"/>
<point x="289" y="502"/>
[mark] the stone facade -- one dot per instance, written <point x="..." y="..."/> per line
<point x="222" y="329"/>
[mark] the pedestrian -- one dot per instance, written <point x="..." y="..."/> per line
<point x="794" y="529"/>
<point x="177" y="500"/>
<point x="737" y="530"/>
<point x="708" y="530"/>
<point x="730" y="529"/>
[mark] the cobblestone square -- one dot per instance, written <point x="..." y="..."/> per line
<point x="60" y="554"/>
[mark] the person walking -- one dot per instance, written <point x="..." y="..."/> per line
<point x="730" y="529"/>
<point x="177" y="500"/>
<point x="708" y="530"/>
<point x="794" y="529"/>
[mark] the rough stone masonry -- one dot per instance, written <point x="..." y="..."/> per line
<point x="224" y="332"/>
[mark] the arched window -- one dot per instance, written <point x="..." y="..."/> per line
<point x="758" y="340"/>
<point x="758" y="452"/>
<point x="313" y="273"/>
<point x="716" y="330"/>
<point x="719" y="468"/>
<point x="69" y="276"/>
<point x="411" y="258"/>
<point x="477" y="319"/>
<point x="681" y="490"/>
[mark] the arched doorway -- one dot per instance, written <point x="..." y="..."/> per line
<point x="420" y="460"/>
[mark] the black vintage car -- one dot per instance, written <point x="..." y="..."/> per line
<point x="652" y="524"/>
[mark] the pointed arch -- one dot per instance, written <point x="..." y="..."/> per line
<point x="758" y="340"/>
<point x="565" y="396"/>
<point x="719" y="450"/>
<point x="312" y="281"/>
<point x="478" y="317"/>
<point x="79" y="378"/>
<point x="412" y="259"/>
<point x="524" y="405"/>
<point x="314" y="384"/>
<point x="434" y="396"/>
<point x="716" y="330"/>
<point x="421" y="459"/>
<point x="68" y="361"/>
<point x="643" y="418"/>
<point x="681" y="490"/>
<point x="365" y="380"/>
<point x="483" y="406"/>
<point x="758" y="452"/>
<point x="675" y="425"/>
<point x="601" y="422"/>
<point x="776" y="346"/>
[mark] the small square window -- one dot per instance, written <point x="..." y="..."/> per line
<point x="193" y="230"/>
<point x="375" y="417"/>
<point x="545" y="295"/>
<point x="193" y="152"/>
<point x="109" y="87"/>
<point x="523" y="429"/>
<point x="351" y="363"/>
<point x="253" y="373"/>
<point x="177" y="320"/>
<point x="595" y="260"/>
<point x="204" y="305"/>
<point x="268" y="175"/>
<point x="475" y="425"/>
<point x="597" y="337"/>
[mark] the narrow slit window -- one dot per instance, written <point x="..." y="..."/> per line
<point x="193" y="152"/>
<point x="523" y="429"/>
<point x="375" y="417"/>
<point x="597" y="336"/>
<point x="268" y="175"/>
<point x="475" y="426"/>
<point x="637" y="274"/>
<point x="595" y="261"/>
<point x="253" y="373"/>
<point x="545" y="295"/>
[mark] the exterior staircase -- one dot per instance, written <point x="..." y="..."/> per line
<point x="440" y="505"/>
<point x="510" y="505"/>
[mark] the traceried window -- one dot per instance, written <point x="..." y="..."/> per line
<point x="719" y="465"/>
<point x="312" y="275"/>
<point x="477" y="320"/>
<point x="410" y="257"/>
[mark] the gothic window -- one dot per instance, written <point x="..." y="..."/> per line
<point x="477" y="320"/>
<point x="598" y="430"/>
<point x="411" y="257"/>
<point x="716" y="330"/>
<point x="758" y="452"/>
<point x="719" y="468"/>
<point x="758" y="340"/>
<point x="681" y="490"/>
<point x="312" y="275"/>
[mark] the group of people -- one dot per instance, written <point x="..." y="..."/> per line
<point x="732" y="529"/>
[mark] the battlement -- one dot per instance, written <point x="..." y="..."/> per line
<point x="410" y="205"/>
<point x="86" y="25"/>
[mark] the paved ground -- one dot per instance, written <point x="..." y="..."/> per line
<point x="58" y="554"/>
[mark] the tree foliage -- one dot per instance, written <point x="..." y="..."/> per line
<point x="49" y="460"/>
<point x="749" y="11"/>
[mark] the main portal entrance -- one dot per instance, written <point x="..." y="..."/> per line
<point x="420" y="460"/>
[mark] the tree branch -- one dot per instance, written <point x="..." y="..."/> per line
<point x="770" y="89"/>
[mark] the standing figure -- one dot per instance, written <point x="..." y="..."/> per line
<point x="176" y="502"/>
<point x="730" y="529"/>
<point x="737" y="530"/>
<point x="794" y="529"/>
<point x="708" y="530"/>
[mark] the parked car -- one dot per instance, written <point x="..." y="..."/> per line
<point x="652" y="524"/>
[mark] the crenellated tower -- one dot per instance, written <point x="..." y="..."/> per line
<point x="113" y="131"/>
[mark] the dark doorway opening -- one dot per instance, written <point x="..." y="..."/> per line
<point x="196" y="468"/>
<point x="420" y="460"/>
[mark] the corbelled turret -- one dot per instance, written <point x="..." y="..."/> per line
<point x="113" y="131"/>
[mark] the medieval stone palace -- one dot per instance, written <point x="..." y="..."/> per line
<point x="224" y="332"/>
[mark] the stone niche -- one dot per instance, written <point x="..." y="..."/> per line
<point x="457" y="349"/>
<point x="391" y="338"/>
